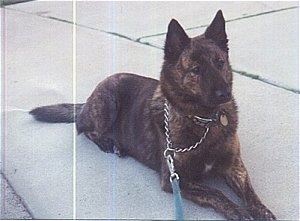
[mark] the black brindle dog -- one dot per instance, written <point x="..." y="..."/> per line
<point x="125" y="114"/>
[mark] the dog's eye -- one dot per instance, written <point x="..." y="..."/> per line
<point x="195" y="70"/>
<point x="220" y="63"/>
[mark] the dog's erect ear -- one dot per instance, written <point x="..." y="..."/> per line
<point x="216" y="31"/>
<point x="176" y="41"/>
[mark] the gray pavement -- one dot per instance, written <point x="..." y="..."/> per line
<point x="58" y="175"/>
<point x="12" y="206"/>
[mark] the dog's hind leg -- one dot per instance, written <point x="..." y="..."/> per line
<point x="97" y="119"/>
<point x="103" y="142"/>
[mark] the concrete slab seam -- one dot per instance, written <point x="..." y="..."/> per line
<point x="264" y="80"/>
<point x="227" y="21"/>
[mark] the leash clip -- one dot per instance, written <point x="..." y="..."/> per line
<point x="173" y="174"/>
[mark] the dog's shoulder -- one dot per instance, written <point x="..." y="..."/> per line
<point x="156" y="105"/>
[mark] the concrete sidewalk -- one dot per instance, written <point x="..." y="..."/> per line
<point x="38" y="159"/>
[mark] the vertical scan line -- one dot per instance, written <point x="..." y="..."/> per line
<point x="2" y="105"/>
<point x="74" y="57"/>
<point x="113" y="159"/>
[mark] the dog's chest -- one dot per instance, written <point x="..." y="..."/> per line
<point x="207" y="167"/>
<point x="194" y="166"/>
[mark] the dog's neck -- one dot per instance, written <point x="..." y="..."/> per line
<point x="187" y="108"/>
<point x="184" y="109"/>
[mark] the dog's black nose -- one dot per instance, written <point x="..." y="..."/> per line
<point x="223" y="95"/>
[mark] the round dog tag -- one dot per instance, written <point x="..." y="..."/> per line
<point x="224" y="120"/>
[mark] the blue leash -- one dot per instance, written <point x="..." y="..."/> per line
<point x="177" y="199"/>
<point x="174" y="179"/>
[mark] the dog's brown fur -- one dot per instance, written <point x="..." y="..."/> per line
<point x="125" y="115"/>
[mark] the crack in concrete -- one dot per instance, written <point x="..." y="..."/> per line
<point x="138" y="40"/>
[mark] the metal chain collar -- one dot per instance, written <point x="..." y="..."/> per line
<point x="168" y="139"/>
<point x="174" y="177"/>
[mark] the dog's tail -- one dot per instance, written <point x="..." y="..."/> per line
<point x="58" y="113"/>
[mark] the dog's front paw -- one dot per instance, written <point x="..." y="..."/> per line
<point x="261" y="213"/>
<point x="238" y="214"/>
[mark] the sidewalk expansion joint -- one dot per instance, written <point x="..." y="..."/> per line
<point x="264" y="80"/>
<point x="227" y="21"/>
